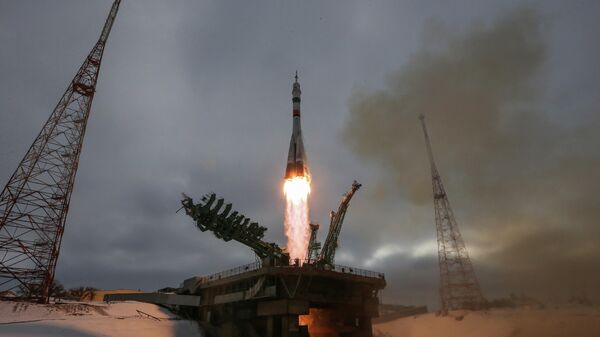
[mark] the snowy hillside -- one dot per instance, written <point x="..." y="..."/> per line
<point x="95" y="319"/>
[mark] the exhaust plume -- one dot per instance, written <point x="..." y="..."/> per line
<point x="297" y="221"/>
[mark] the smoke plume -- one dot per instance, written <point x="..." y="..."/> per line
<point x="526" y="182"/>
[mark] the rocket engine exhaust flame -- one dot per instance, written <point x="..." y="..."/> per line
<point x="297" y="186"/>
<point x="297" y="228"/>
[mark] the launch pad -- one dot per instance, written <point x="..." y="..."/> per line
<point x="289" y="292"/>
<point x="273" y="297"/>
<point x="274" y="300"/>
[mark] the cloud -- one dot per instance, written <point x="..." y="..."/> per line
<point x="195" y="97"/>
<point x="523" y="184"/>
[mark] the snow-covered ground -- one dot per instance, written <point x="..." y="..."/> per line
<point x="134" y="319"/>
<point x="566" y="322"/>
<point x="91" y="319"/>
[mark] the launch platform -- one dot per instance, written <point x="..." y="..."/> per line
<point x="274" y="300"/>
<point x="276" y="297"/>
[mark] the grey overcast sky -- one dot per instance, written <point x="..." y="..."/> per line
<point x="195" y="96"/>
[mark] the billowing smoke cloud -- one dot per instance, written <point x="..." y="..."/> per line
<point x="527" y="185"/>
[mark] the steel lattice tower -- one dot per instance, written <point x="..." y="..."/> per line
<point x="313" y="246"/>
<point x="35" y="201"/>
<point x="459" y="288"/>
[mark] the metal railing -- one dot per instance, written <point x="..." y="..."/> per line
<point x="345" y="270"/>
<point x="258" y="265"/>
<point x="357" y="271"/>
<point x="231" y="272"/>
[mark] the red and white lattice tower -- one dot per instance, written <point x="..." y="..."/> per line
<point x="35" y="201"/>
<point x="459" y="288"/>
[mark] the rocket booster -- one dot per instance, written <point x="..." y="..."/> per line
<point x="297" y="163"/>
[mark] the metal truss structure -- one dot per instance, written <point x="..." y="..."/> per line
<point x="210" y="215"/>
<point x="327" y="255"/>
<point x="35" y="201"/>
<point x="459" y="288"/>
<point x="313" y="245"/>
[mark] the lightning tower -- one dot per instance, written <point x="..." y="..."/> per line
<point x="35" y="201"/>
<point x="459" y="288"/>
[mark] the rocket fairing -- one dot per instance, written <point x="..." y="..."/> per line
<point x="297" y="163"/>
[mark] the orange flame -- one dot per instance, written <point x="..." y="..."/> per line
<point x="297" y="229"/>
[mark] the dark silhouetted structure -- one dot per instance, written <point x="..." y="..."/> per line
<point x="459" y="288"/>
<point x="35" y="201"/>
<point x="313" y="245"/>
<point x="273" y="297"/>
<point x="330" y="245"/>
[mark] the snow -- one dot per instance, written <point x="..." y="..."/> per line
<point x="557" y="322"/>
<point x="134" y="319"/>
<point x="91" y="319"/>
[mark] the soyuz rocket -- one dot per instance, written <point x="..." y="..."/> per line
<point x="297" y="163"/>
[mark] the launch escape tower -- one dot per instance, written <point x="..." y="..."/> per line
<point x="35" y="201"/>
<point x="459" y="288"/>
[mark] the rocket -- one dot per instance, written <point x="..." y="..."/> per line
<point x="297" y="163"/>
